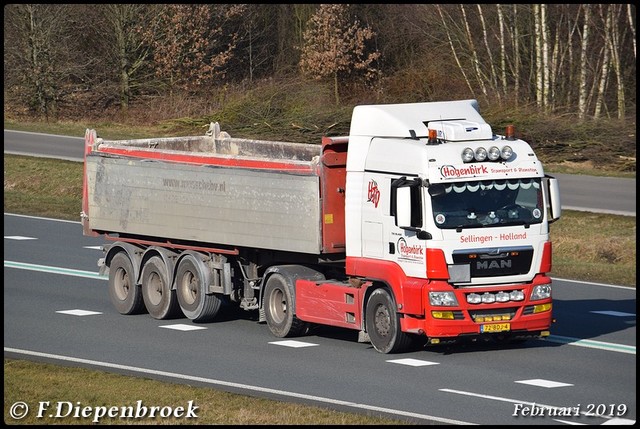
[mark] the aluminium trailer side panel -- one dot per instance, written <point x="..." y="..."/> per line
<point x="218" y="205"/>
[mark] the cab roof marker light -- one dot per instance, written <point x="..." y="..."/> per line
<point x="433" y="136"/>
<point x="510" y="132"/>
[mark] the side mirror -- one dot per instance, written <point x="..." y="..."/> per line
<point x="553" y="192"/>
<point x="403" y="207"/>
<point x="407" y="206"/>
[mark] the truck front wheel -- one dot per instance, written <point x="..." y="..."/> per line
<point x="123" y="291"/>
<point x="278" y="309"/>
<point x="191" y="289"/>
<point x="383" y="324"/>
<point x="160" y="300"/>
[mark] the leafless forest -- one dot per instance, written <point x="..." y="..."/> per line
<point x="66" y="61"/>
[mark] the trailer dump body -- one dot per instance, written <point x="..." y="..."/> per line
<point x="235" y="192"/>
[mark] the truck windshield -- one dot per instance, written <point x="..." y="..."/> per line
<point x="475" y="204"/>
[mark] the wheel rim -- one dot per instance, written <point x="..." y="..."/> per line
<point x="189" y="288"/>
<point x="278" y="305"/>
<point x="382" y="320"/>
<point x="155" y="288"/>
<point x="122" y="284"/>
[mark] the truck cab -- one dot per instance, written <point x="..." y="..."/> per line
<point x="452" y="219"/>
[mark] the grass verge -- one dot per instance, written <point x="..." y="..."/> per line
<point x="73" y="389"/>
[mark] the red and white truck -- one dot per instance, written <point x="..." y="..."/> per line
<point x="420" y="225"/>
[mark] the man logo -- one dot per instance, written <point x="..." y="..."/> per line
<point x="489" y="265"/>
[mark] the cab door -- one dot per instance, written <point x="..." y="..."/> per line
<point x="407" y="239"/>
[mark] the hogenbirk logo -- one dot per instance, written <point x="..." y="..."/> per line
<point x="471" y="170"/>
<point x="413" y="252"/>
<point x="373" y="196"/>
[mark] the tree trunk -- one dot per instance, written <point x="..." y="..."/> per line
<point x="582" y="97"/>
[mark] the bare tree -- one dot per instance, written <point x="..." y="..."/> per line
<point x="480" y="77"/>
<point x="39" y="53"/>
<point x="604" y="69"/>
<point x="613" y="42"/>
<point x="122" y="48"/>
<point x="584" y="54"/>
<point x="537" y="18"/>
<point x="632" y="27"/>
<point x="334" y="45"/>
<point x="546" y="66"/>
<point x="503" y="50"/>
<point x="493" y="76"/>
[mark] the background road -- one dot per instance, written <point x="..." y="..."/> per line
<point x="585" y="193"/>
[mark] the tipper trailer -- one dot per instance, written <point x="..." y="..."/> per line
<point x="420" y="225"/>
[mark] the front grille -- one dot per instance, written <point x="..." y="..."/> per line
<point x="496" y="262"/>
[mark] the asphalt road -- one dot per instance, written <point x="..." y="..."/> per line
<point x="57" y="309"/>
<point x="584" y="193"/>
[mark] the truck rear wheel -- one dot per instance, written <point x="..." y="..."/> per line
<point x="383" y="324"/>
<point x="278" y="309"/>
<point x="191" y="290"/>
<point x="160" y="300"/>
<point x="123" y="291"/>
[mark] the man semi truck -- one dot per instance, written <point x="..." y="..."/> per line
<point x="421" y="224"/>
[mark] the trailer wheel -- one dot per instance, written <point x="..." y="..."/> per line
<point x="278" y="309"/>
<point x="191" y="290"/>
<point x="383" y="324"/>
<point x="160" y="300"/>
<point x="123" y="291"/>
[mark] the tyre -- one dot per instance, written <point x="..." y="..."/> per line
<point x="278" y="309"/>
<point x="123" y="291"/>
<point x="383" y="324"/>
<point x="191" y="290"/>
<point x="161" y="302"/>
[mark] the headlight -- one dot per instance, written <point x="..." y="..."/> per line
<point x="502" y="297"/>
<point x="474" y="298"/>
<point x="506" y="152"/>
<point x="481" y="154"/>
<point x="493" y="153"/>
<point x="488" y="298"/>
<point x="541" y="292"/>
<point x="467" y="155"/>
<point x="447" y="299"/>
<point x="516" y="295"/>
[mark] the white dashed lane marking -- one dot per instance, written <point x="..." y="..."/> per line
<point x="18" y="237"/>
<point x="183" y="327"/>
<point x="77" y="312"/>
<point x="93" y="247"/>
<point x="614" y="313"/>
<point x="544" y="383"/>
<point x="413" y="362"/>
<point x="293" y="343"/>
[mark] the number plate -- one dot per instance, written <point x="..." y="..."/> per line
<point x="495" y="327"/>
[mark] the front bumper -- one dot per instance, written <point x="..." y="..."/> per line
<point x="515" y="318"/>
